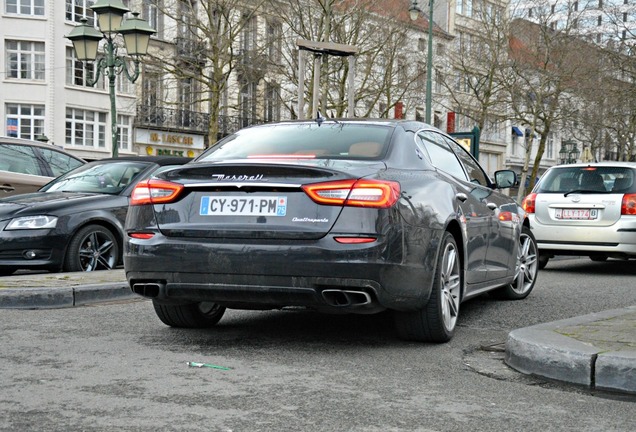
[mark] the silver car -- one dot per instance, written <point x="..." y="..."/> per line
<point x="585" y="209"/>
<point x="26" y="166"/>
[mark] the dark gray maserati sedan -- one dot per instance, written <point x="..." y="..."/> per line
<point x="340" y="216"/>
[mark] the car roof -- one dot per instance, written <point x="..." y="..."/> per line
<point x="598" y="164"/>
<point x="406" y="124"/>
<point x="159" y="160"/>
<point x="40" y="144"/>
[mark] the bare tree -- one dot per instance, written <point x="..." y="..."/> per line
<point x="209" y="39"/>
<point x="385" y="72"/>
<point x="475" y="86"/>
<point x="545" y="76"/>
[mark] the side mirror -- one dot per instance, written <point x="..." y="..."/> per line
<point x="505" y="179"/>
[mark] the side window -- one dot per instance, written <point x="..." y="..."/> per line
<point x="59" y="163"/>
<point x="19" y="159"/>
<point x="440" y="154"/>
<point x="475" y="173"/>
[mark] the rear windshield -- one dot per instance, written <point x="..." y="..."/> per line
<point x="587" y="179"/>
<point x="307" y="140"/>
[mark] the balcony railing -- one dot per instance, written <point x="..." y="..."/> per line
<point x="190" y="50"/>
<point x="189" y="121"/>
<point x="172" y="119"/>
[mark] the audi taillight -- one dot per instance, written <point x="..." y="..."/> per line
<point x="529" y="202"/>
<point x="628" y="207"/>
<point x="355" y="193"/>
<point x="155" y="192"/>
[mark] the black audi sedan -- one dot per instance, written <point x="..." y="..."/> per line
<point x="340" y="216"/>
<point x="75" y="222"/>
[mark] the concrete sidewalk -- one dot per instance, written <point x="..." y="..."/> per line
<point x="57" y="290"/>
<point x="597" y="351"/>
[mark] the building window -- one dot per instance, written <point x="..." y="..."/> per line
<point x="274" y="41"/>
<point x="272" y="102"/>
<point x="78" y="9"/>
<point x="124" y="86"/>
<point x="249" y="33"/>
<point x="24" y="121"/>
<point x="185" y="22"/>
<point x="124" y="130"/>
<point x="247" y="103"/>
<point x="152" y="94"/>
<point x="25" y="60"/>
<point x="468" y="8"/>
<point x="77" y="71"/>
<point x="85" y="128"/>
<point x="152" y="14"/>
<point x="187" y="97"/>
<point x="25" y="7"/>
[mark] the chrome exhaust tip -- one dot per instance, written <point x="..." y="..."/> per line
<point x="346" y="298"/>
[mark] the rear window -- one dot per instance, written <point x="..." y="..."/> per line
<point x="307" y="140"/>
<point x="587" y="179"/>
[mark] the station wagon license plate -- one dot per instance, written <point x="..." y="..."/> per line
<point x="241" y="205"/>
<point x="576" y="214"/>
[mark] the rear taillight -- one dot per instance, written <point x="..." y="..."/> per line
<point x="155" y="192"/>
<point x="628" y="207"/>
<point x="528" y="203"/>
<point x="356" y="193"/>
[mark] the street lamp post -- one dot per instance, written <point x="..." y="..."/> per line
<point x="136" y="34"/>
<point x="414" y="10"/>
<point x="569" y="152"/>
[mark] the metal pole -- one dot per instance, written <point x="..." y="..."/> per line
<point x="111" y="87"/>
<point x="301" y="84"/>
<point x="429" y="64"/>
<point x="316" y="85"/>
<point x="351" y="84"/>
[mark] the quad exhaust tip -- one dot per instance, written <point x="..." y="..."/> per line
<point x="346" y="298"/>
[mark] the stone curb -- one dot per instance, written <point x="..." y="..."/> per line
<point x="59" y="297"/>
<point x="540" y="350"/>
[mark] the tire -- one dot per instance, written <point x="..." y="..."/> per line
<point x="92" y="248"/>
<point x="599" y="258"/>
<point x="437" y="321"/>
<point x="543" y="261"/>
<point x="193" y="315"/>
<point x="526" y="269"/>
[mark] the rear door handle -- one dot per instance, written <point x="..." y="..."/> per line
<point x="491" y="206"/>
<point x="461" y="196"/>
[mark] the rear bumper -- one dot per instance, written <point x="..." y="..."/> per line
<point x="319" y="274"/>
<point x="618" y="239"/>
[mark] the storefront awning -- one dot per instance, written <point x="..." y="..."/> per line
<point x="517" y="131"/>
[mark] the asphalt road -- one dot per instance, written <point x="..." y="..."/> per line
<point x="116" y="367"/>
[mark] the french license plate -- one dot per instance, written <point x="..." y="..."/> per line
<point x="241" y="205"/>
<point x="576" y="214"/>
